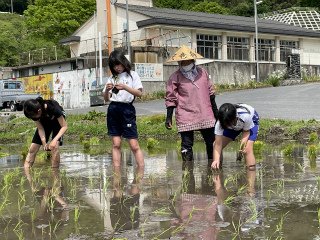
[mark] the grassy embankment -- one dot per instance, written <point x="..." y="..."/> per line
<point x="93" y="124"/>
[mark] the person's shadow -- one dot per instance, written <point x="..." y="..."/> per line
<point x="124" y="205"/>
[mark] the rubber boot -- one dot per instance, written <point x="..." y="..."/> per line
<point x="187" y="155"/>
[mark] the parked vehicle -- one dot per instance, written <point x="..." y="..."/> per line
<point x="96" y="96"/>
<point x="12" y="95"/>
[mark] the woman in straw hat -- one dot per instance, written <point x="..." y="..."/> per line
<point x="191" y="93"/>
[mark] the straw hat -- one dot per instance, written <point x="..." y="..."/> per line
<point x="184" y="53"/>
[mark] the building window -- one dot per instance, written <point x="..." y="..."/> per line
<point x="266" y="50"/>
<point x="209" y="46"/>
<point x="35" y="71"/>
<point x="74" y="65"/>
<point x="238" y="48"/>
<point x="24" y="73"/>
<point x="286" y="49"/>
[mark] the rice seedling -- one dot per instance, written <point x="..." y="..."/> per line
<point x="18" y="229"/>
<point x="21" y="201"/>
<point x="280" y="186"/>
<point x="162" y="211"/>
<point x="288" y="150"/>
<point x="106" y="184"/>
<point x="300" y="167"/>
<point x="237" y="229"/>
<point x="279" y="226"/>
<point x="229" y="200"/>
<point x="77" y="214"/>
<point x="313" y="137"/>
<point x="4" y="203"/>
<point x="312" y="152"/>
<point x="269" y="193"/>
<point x="19" y="233"/>
<point x="253" y="210"/>
<point x="133" y="210"/>
<point x="258" y="146"/>
<point x="53" y="229"/>
<point x="33" y="215"/>
<point x="152" y="143"/>
<point x="185" y="181"/>
<point x="94" y="141"/>
<point x="242" y="189"/>
<point x="81" y="137"/>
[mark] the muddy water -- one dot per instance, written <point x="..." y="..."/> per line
<point x="88" y="199"/>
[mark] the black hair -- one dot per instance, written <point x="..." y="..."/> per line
<point x="32" y="106"/>
<point x="117" y="57"/>
<point x="227" y="115"/>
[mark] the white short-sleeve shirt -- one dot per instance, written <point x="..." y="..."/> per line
<point x="123" y="95"/>
<point x="244" y="122"/>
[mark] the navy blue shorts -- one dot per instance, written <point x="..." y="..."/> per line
<point x="50" y="126"/>
<point x="230" y="133"/>
<point x="121" y="120"/>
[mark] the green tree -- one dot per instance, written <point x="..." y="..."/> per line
<point x="243" y="9"/>
<point x="310" y="3"/>
<point x="16" y="43"/>
<point x="18" y="6"/>
<point x="57" y="19"/>
<point x="210" y="7"/>
<point x="176" y="4"/>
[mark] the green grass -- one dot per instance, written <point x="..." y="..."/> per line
<point x="93" y="125"/>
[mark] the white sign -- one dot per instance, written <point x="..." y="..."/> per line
<point x="149" y="71"/>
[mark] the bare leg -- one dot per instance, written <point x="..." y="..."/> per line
<point x="31" y="156"/>
<point x="55" y="157"/>
<point x="116" y="151"/>
<point x="249" y="155"/>
<point x="137" y="152"/>
<point x="251" y="178"/>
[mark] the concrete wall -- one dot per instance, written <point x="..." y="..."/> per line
<point x="310" y="52"/>
<point x="220" y="73"/>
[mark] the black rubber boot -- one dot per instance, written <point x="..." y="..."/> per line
<point x="187" y="155"/>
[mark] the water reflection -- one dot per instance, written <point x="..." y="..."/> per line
<point x="50" y="197"/>
<point x="169" y="198"/>
<point x="196" y="212"/>
<point x="124" y="204"/>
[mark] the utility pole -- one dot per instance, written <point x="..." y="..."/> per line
<point x="109" y="33"/>
<point x="128" y="32"/>
<point x="257" y="42"/>
<point x="11" y="6"/>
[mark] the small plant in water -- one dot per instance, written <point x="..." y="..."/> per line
<point x="76" y="214"/>
<point x="279" y="226"/>
<point x="152" y="143"/>
<point x="312" y="152"/>
<point x="313" y="137"/>
<point x="94" y="141"/>
<point x="288" y="150"/>
<point x="258" y="146"/>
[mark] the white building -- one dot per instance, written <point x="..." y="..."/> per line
<point x="228" y="42"/>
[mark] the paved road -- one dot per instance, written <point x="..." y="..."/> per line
<point x="298" y="102"/>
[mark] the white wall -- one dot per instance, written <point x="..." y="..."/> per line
<point x="310" y="53"/>
<point x="88" y="34"/>
<point x="71" y="89"/>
